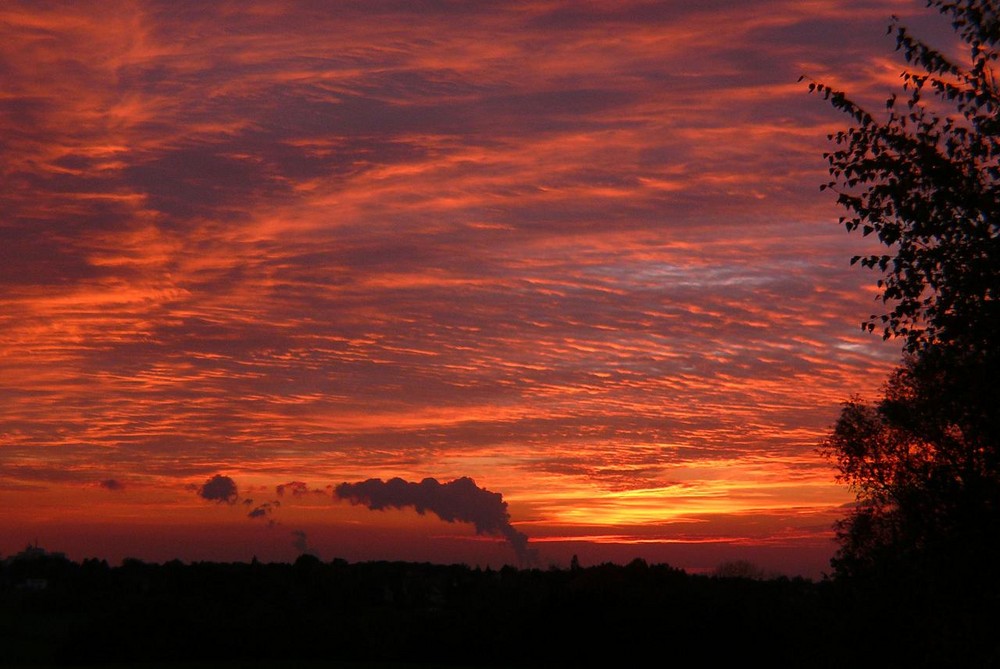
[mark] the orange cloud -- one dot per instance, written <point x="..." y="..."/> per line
<point x="575" y="252"/>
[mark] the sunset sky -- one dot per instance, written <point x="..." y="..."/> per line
<point x="573" y="251"/>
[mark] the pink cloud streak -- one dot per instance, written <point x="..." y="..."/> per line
<point x="556" y="248"/>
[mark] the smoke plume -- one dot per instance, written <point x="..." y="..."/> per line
<point x="300" y="541"/>
<point x="460" y="500"/>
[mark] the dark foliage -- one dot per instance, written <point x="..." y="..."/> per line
<point x="450" y="615"/>
<point x="927" y="484"/>
<point x="924" y="181"/>
<point x="925" y="460"/>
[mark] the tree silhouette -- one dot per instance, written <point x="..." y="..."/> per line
<point x="923" y="180"/>
<point x="927" y="488"/>
<point x="924" y="461"/>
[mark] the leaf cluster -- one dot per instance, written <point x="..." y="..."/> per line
<point x="923" y="179"/>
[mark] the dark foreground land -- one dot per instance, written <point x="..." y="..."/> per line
<point x="54" y="612"/>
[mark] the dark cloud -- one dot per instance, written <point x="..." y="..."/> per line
<point x="263" y="510"/>
<point x="186" y="180"/>
<point x="460" y="500"/>
<point x="112" y="484"/>
<point x="220" y="489"/>
<point x="27" y="258"/>
<point x="297" y="489"/>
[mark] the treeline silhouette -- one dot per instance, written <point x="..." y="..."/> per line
<point x="54" y="611"/>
